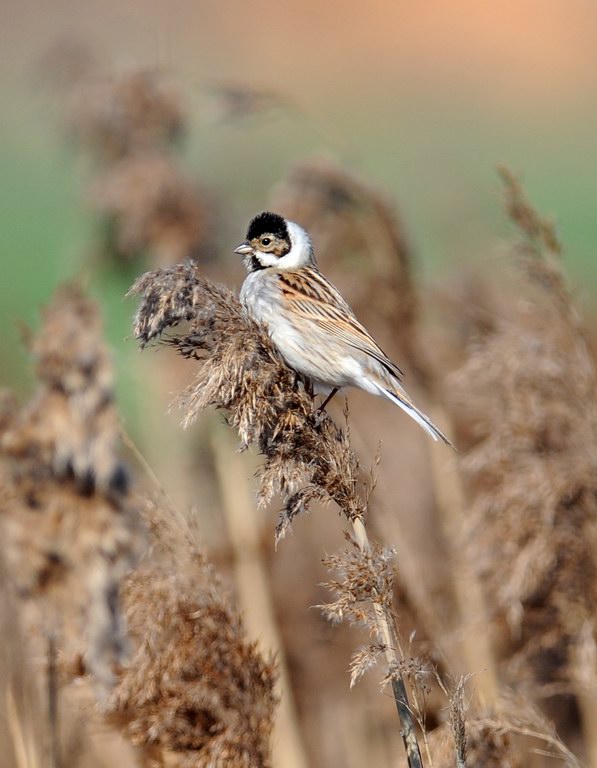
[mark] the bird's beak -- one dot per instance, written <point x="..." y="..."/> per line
<point x="243" y="249"/>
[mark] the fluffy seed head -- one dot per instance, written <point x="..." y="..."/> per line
<point x="70" y="527"/>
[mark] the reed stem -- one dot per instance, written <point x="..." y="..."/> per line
<point x="389" y="637"/>
<point x="53" y="720"/>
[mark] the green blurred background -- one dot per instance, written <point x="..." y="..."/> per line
<point x="423" y="99"/>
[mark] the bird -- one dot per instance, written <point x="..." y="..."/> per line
<point x="309" y="322"/>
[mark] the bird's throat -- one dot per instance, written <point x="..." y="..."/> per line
<point x="253" y="264"/>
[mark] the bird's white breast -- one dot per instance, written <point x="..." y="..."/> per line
<point x="262" y="299"/>
<point x="258" y="297"/>
<point x="302" y="349"/>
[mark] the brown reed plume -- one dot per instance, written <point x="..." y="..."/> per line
<point x="194" y="692"/>
<point x="71" y="531"/>
<point x="307" y="457"/>
<point x="190" y="690"/>
<point x="131" y="125"/>
<point x="150" y="206"/>
<point x="527" y="396"/>
<point x="121" y="114"/>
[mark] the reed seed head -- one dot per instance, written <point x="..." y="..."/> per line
<point x="307" y="458"/>
<point x="72" y="531"/>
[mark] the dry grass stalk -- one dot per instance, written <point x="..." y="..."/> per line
<point x="194" y="693"/>
<point x="71" y="530"/>
<point x="531" y="731"/>
<point x="364" y="597"/>
<point x="528" y="391"/>
<point x="23" y="731"/>
<point x="366" y="582"/>
<point x="486" y="748"/>
<point x="457" y="709"/>
<point x="489" y="746"/>
<point x="307" y="458"/>
<point x="541" y="255"/>
<point x="584" y="677"/>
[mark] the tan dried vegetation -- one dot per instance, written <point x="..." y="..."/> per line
<point x="158" y="634"/>
<point x="121" y="644"/>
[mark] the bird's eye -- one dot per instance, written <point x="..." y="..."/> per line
<point x="266" y="240"/>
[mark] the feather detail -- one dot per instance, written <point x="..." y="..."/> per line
<point x="318" y="335"/>
<point x="310" y="296"/>
<point x="401" y="399"/>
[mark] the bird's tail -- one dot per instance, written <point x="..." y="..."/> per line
<point x="401" y="399"/>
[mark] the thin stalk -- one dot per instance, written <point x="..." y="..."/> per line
<point x="22" y="740"/>
<point x="584" y="676"/>
<point x="53" y="718"/>
<point x="389" y="637"/>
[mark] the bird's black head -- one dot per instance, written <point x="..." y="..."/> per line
<point x="272" y="241"/>
<point x="267" y="241"/>
<point x="267" y="223"/>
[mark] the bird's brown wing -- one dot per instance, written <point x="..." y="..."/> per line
<point x="308" y="295"/>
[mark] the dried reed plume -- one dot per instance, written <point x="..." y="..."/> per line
<point x="194" y="692"/>
<point x="71" y="530"/>
<point x="527" y="393"/>
<point x="122" y="114"/>
<point x="307" y="457"/>
<point x="149" y="205"/>
<point x="354" y="596"/>
<point x="130" y="125"/>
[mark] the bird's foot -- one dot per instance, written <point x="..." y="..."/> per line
<point x="320" y="413"/>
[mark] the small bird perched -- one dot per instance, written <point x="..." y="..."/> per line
<point x="313" y="328"/>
